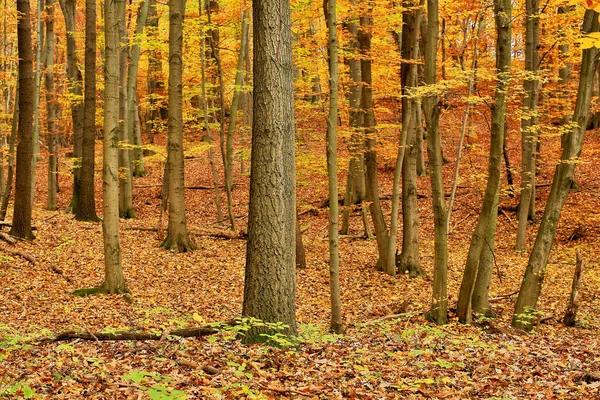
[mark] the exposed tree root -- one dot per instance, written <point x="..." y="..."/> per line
<point x="29" y="257"/>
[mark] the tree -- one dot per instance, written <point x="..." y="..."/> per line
<point x="86" y="209"/>
<point x="51" y="135"/>
<point x="334" y="261"/>
<point x="270" y="284"/>
<point x="524" y="315"/>
<point x="21" y="226"/>
<point x="178" y="237"/>
<point x="431" y="107"/>
<point x="486" y="225"/>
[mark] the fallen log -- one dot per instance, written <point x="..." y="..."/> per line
<point x="219" y="234"/>
<point x="29" y="257"/>
<point x="137" y="335"/>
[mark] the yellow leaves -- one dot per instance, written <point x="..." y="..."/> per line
<point x="590" y="40"/>
<point x="198" y="318"/>
<point x="589" y="4"/>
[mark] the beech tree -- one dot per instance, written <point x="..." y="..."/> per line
<point x="270" y="284"/>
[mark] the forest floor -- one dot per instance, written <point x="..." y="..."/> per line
<point x="401" y="356"/>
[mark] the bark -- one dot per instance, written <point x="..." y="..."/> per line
<point x="336" y="324"/>
<point x="11" y="159"/>
<point x="126" y="209"/>
<point x="22" y="209"/>
<point x="503" y="12"/>
<point x="270" y="283"/>
<point x="40" y="59"/>
<point x="431" y="106"/>
<point x="51" y="135"/>
<point x="86" y="209"/>
<point x="529" y="127"/>
<point x="226" y="149"/>
<point x="564" y="77"/>
<point x="211" y="150"/>
<point x="571" y="314"/>
<point x="480" y="302"/>
<point x="300" y="254"/>
<point x="531" y="286"/>
<point x="137" y="159"/>
<point x="178" y="237"/>
<point x="114" y="280"/>
<point x="371" y="179"/>
<point x="153" y="122"/>
<point x="74" y="76"/>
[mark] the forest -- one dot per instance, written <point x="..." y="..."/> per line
<point x="364" y="199"/>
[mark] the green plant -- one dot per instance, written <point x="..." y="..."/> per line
<point x="158" y="391"/>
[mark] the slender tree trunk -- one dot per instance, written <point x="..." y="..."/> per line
<point x="114" y="280"/>
<point x="502" y="9"/>
<point x="571" y="313"/>
<point x="431" y="106"/>
<point x="529" y="122"/>
<point x="211" y="150"/>
<point x="178" y="237"/>
<point x="270" y="284"/>
<point x="126" y="209"/>
<point x="300" y="253"/>
<point x="225" y="149"/>
<point x="154" y="71"/>
<point x="11" y="159"/>
<point x="564" y="78"/>
<point x="137" y="160"/>
<point x="21" y="226"/>
<point x="86" y="209"/>
<point x="481" y="292"/>
<point x="51" y="136"/>
<point x="524" y="315"/>
<point x="372" y="183"/>
<point x="40" y="59"/>
<point x="334" y="258"/>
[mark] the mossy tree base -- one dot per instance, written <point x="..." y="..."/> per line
<point x="180" y="243"/>
<point x="129" y="214"/>
<point x="102" y="289"/>
<point x="408" y="264"/>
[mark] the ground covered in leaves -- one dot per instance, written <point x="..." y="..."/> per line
<point x="389" y="350"/>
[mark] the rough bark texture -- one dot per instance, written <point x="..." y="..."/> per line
<point x="68" y="8"/>
<point x="270" y="285"/>
<point x="336" y="324"/>
<point x="178" y="237"/>
<point x="524" y="315"/>
<point x="529" y="127"/>
<point x="86" y="209"/>
<point x="503" y="12"/>
<point x="372" y="182"/>
<point x="431" y="106"/>
<point x="22" y="214"/>
<point x="51" y="135"/>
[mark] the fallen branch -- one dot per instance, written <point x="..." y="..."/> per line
<point x="508" y="218"/>
<point x="503" y="296"/>
<point x="59" y="271"/>
<point x="25" y="255"/>
<point x="196" y="187"/>
<point x="285" y="391"/>
<point x="135" y="335"/>
<point x="219" y="234"/>
<point x="7" y="238"/>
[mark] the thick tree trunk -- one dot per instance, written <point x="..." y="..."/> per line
<point x="86" y="209"/>
<point x="21" y="227"/>
<point x="481" y="292"/>
<point x="503" y="12"/>
<point x="136" y="157"/>
<point x="178" y="237"/>
<point x="270" y="284"/>
<point x="51" y="135"/>
<point x="126" y="209"/>
<point x="114" y="280"/>
<point x="529" y="126"/>
<point x="372" y="183"/>
<point x="431" y="106"/>
<point x="524" y="315"/>
<point x="68" y="8"/>
<point x="336" y="324"/>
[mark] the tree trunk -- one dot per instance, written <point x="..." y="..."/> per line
<point x="68" y="8"/>
<point x="571" y="314"/>
<point x="51" y="135"/>
<point x="21" y="227"/>
<point x="300" y="254"/>
<point x="226" y="149"/>
<point x="431" y="106"/>
<point x="40" y="59"/>
<point x="126" y="209"/>
<point x="154" y="70"/>
<point x="137" y="160"/>
<point x="86" y="209"/>
<point x="336" y="324"/>
<point x="524" y="315"/>
<point x="372" y="183"/>
<point x="211" y="150"/>
<point x="355" y="184"/>
<point x="481" y="292"/>
<point x="11" y="159"/>
<point x="503" y="12"/>
<point x="529" y="128"/>
<point x="270" y="284"/>
<point x="178" y="237"/>
<point x="114" y="280"/>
